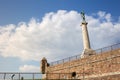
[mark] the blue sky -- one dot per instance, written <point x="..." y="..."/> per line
<point x="32" y="29"/>
<point x="16" y="11"/>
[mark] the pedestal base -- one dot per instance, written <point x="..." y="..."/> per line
<point x="87" y="52"/>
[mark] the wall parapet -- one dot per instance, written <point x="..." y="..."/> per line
<point x="76" y="57"/>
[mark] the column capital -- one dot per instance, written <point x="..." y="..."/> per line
<point x="84" y="23"/>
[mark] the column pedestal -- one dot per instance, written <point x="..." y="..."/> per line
<point x="87" y="52"/>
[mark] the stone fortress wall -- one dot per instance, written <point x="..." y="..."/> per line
<point x="102" y="65"/>
<point x="91" y="64"/>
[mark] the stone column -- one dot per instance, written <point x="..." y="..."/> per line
<point x="86" y="42"/>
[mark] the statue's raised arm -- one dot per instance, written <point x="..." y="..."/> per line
<point x="83" y="16"/>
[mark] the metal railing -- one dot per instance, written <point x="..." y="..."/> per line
<point x="38" y="76"/>
<point x="54" y="76"/>
<point x="76" y="57"/>
<point x="20" y="76"/>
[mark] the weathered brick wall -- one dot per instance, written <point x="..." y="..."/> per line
<point x="104" y="64"/>
<point x="112" y="77"/>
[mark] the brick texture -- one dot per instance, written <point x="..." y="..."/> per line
<point x="103" y="66"/>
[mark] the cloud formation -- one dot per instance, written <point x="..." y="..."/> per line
<point x="57" y="36"/>
<point x="29" y="68"/>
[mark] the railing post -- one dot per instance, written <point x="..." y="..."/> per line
<point x="57" y="62"/>
<point x="101" y="50"/>
<point x="19" y="75"/>
<point x="69" y="64"/>
<point x="118" y="45"/>
<point x="63" y="60"/>
<point x="111" y="48"/>
<point x="33" y="76"/>
<point x="69" y="59"/>
<point x="4" y="75"/>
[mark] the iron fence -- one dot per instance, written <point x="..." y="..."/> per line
<point x="20" y="76"/>
<point x="97" y="51"/>
<point x="53" y="76"/>
<point x="38" y="76"/>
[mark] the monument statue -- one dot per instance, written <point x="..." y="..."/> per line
<point x="86" y="42"/>
<point x="83" y="16"/>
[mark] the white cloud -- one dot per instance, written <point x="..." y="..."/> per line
<point x="57" y="36"/>
<point x="101" y="13"/>
<point x="29" y="68"/>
